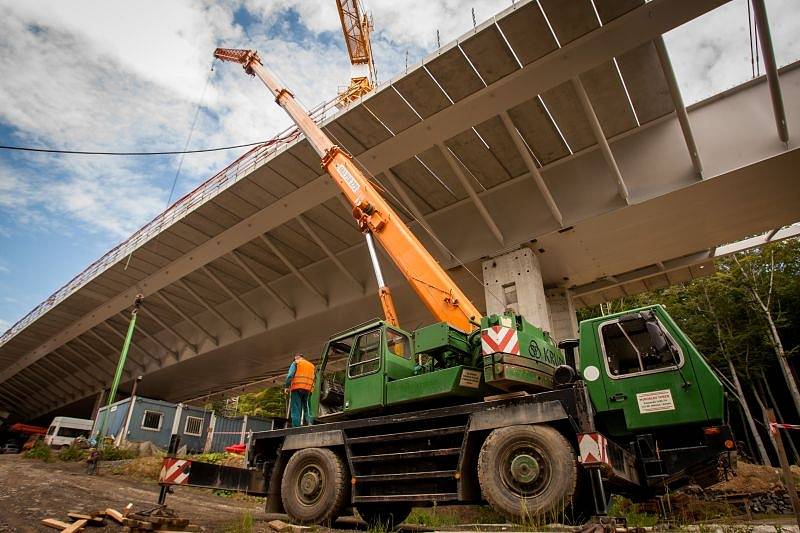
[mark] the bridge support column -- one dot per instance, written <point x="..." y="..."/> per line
<point x="514" y="280"/>
<point x="563" y="319"/>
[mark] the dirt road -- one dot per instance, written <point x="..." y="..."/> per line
<point x="31" y="490"/>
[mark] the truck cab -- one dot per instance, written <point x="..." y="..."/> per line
<point x="653" y="391"/>
<point x="643" y="373"/>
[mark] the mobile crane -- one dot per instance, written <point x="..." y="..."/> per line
<point x="478" y="408"/>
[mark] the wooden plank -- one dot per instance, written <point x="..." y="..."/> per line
<point x="96" y="518"/>
<point x="55" y="524"/>
<point x="115" y="515"/>
<point x="137" y="524"/>
<point x="76" y="526"/>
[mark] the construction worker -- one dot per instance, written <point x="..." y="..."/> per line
<point x="299" y="384"/>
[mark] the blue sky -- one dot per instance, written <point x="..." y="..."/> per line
<point x="114" y="75"/>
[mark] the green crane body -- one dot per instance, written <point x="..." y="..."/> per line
<point x="387" y="369"/>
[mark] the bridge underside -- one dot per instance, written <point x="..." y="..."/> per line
<point x="573" y="143"/>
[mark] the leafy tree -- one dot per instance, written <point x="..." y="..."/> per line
<point x="268" y="402"/>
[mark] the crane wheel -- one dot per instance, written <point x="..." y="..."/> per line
<point x="314" y="487"/>
<point x="527" y="473"/>
<point x="383" y="516"/>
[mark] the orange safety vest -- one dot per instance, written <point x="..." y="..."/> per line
<point x="303" y="375"/>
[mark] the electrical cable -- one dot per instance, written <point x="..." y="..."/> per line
<point x="166" y="152"/>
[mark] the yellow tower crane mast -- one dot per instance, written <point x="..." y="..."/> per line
<point x="356" y="26"/>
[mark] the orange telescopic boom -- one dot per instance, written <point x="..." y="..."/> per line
<point x="374" y="215"/>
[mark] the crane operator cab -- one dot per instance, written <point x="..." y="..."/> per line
<point x="376" y="365"/>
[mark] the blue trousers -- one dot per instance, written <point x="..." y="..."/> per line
<point x="299" y="408"/>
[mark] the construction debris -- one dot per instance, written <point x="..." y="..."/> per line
<point x="157" y="519"/>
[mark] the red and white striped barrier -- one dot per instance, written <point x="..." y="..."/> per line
<point x="174" y="471"/>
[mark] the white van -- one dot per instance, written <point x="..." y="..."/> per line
<point x="64" y="429"/>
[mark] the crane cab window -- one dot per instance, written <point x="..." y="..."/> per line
<point x="637" y="344"/>
<point x="398" y="344"/>
<point x="366" y="356"/>
<point x="331" y="389"/>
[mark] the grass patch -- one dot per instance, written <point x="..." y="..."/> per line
<point x="432" y="517"/>
<point x="624" y="508"/>
<point x="244" y="524"/>
<point x="441" y="516"/>
<point x="144" y="468"/>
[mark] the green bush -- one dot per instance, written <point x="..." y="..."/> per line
<point x="40" y="450"/>
<point x="213" y="458"/>
<point x="72" y="453"/>
<point x="112" y="453"/>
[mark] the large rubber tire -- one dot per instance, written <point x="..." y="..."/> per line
<point x="383" y="516"/>
<point x="527" y="473"/>
<point x="314" y="486"/>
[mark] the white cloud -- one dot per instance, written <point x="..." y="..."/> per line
<point x="712" y="53"/>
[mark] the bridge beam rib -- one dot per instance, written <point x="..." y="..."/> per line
<point x="240" y="260"/>
<point x="677" y="101"/>
<point x="600" y="137"/>
<point x="208" y="306"/>
<point x="163" y="324"/>
<point x="455" y="166"/>
<point x="324" y="247"/>
<point x="293" y="269"/>
<point x="227" y="290"/>
<point x="188" y="318"/>
<point x="765" y="38"/>
<point x="526" y="156"/>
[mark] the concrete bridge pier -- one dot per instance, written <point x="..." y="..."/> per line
<point x="513" y="280"/>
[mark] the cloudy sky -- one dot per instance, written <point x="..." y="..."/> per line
<point x="112" y="75"/>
